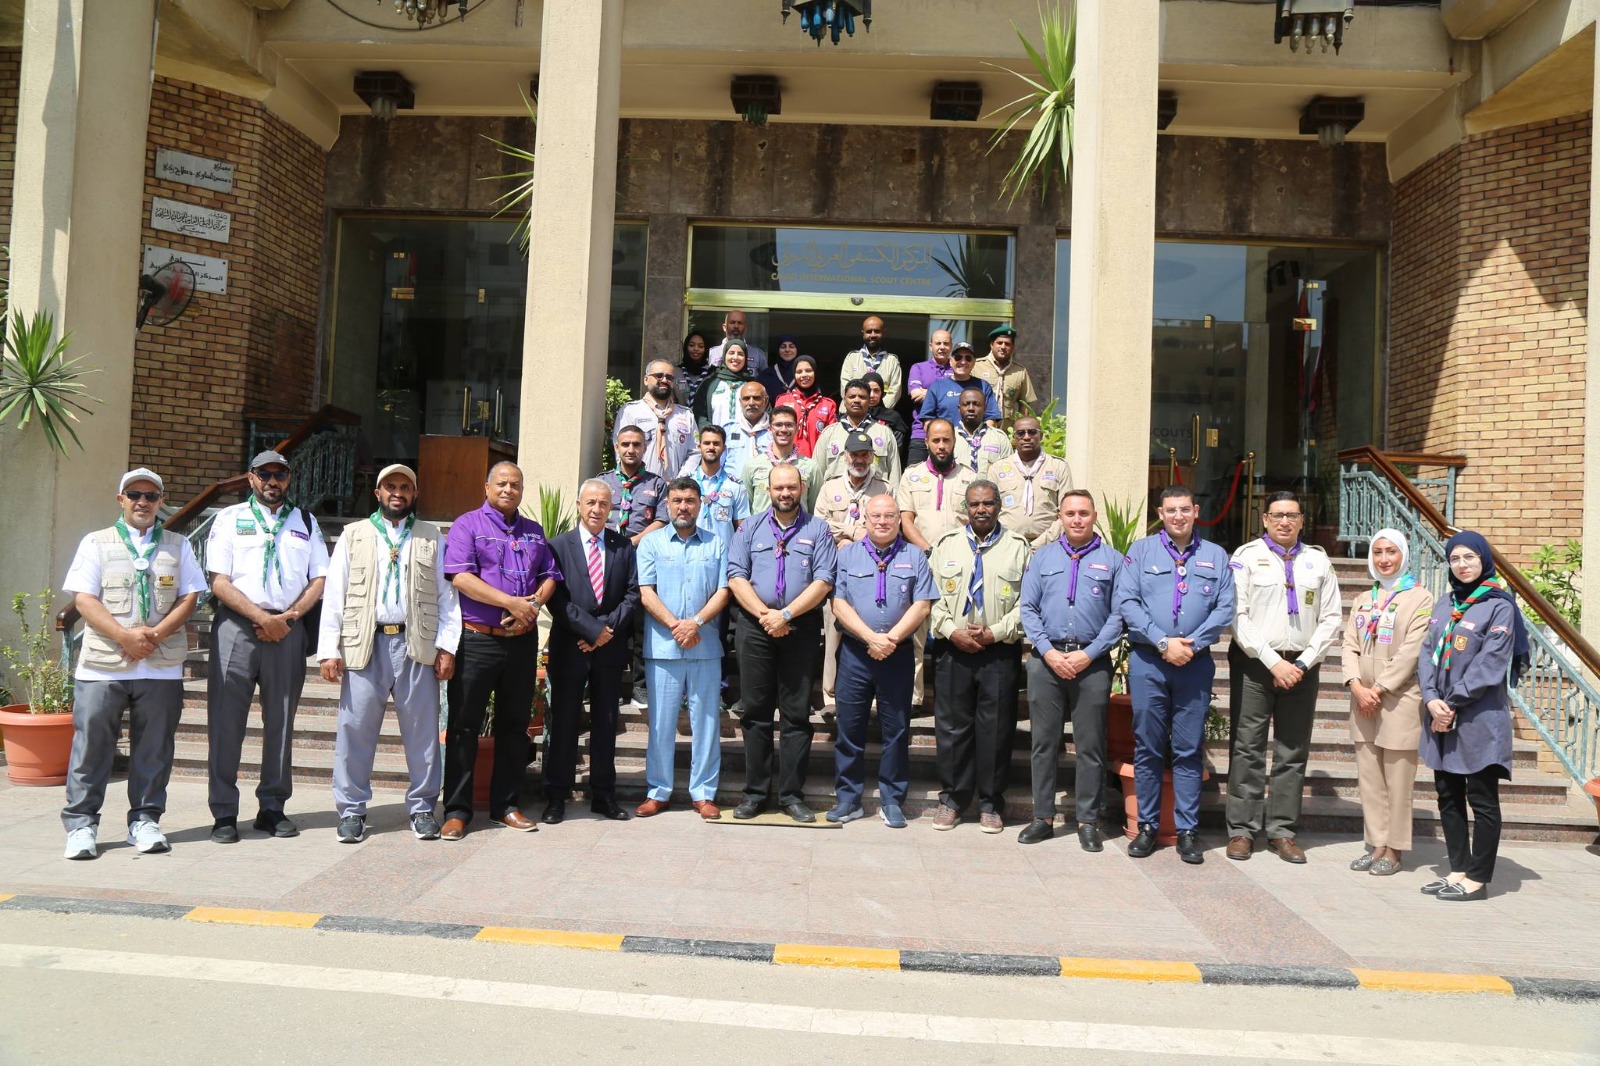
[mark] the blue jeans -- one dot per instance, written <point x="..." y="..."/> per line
<point x="670" y="681"/>
<point x="862" y="677"/>
<point x="1169" y="714"/>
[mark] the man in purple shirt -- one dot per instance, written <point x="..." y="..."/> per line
<point x="500" y="563"/>
<point x="923" y="374"/>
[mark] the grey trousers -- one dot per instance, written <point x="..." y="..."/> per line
<point x="1254" y="704"/>
<point x="1051" y="701"/>
<point x="239" y="662"/>
<point x="154" y="708"/>
<point x="362" y="700"/>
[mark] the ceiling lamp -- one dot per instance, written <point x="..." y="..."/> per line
<point x="423" y="12"/>
<point x="755" y="96"/>
<point x="1313" y="23"/>
<point x="822" y="18"/>
<point x="385" y="92"/>
<point x="1331" y="117"/>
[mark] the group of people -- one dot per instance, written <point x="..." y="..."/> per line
<point x="981" y="560"/>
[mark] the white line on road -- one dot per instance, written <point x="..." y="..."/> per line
<point x="1147" y="1040"/>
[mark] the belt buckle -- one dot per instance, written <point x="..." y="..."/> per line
<point x="391" y="630"/>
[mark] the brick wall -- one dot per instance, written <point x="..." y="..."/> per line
<point x="1488" y="325"/>
<point x="252" y="349"/>
<point x="10" y="82"/>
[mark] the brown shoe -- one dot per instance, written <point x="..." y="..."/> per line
<point x="991" y="822"/>
<point x="946" y="817"/>
<point x="1240" y="848"/>
<point x="649" y="807"/>
<point x="515" y="819"/>
<point x="1287" y="850"/>
<point x="707" y="810"/>
<point x="454" y="829"/>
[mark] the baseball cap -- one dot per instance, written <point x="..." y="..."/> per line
<point x="960" y="345"/>
<point x="267" y="458"/>
<point x="857" y="441"/>
<point x="397" y="468"/>
<point x="141" y="474"/>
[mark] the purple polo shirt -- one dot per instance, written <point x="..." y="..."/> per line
<point x="922" y="375"/>
<point x="516" y="560"/>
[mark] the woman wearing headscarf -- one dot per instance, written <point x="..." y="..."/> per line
<point x="778" y="378"/>
<point x="1382" y="640"/>
<point x="815" y="411"/>
<point x="1476" y="640"/>
<point x="717" y="401"/>
<point x="694" y="369"/>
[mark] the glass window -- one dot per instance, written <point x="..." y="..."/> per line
<point x="625" y="358"/>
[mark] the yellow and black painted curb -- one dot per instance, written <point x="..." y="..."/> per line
<point x="848" y="958"/>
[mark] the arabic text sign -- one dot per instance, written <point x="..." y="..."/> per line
<point x="190" y="221"/>
<point x="195" y="170"/>
<point x="210" y="274"/>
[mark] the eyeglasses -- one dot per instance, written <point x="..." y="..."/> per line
<point x="1285" y="516"/>
<point x="661" y="377"/>
<point x="142" y="497"/>
<point x="272" y="475"/>
<point x="1463" y="557"/>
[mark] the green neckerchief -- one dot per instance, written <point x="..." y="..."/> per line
<point x="141" y="565"/>
<point x="269" y="560"/>
<point x="1458" y="609"/>
<point x="392" y="573"/>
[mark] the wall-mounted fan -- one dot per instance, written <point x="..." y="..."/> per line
<point x="165" y="295"/>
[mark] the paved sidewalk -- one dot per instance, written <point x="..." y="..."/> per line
<point x="860" y="885"/>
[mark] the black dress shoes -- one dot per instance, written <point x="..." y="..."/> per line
<point x="799" y="812"/>
<point x="554" y="812"/>
<point x="1089" y="837"/>
<point x="1189" y="849"/>
<point x="607" y="807"/>
<point x="225" y="831"/>
<point x="1035" y="831"/>
<point x="1144" y="844"/>
<point x="748" y="808"/>
<point x="1458" y="894"/>
<point x="276" y="823"/>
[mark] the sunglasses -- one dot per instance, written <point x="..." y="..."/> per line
<point x="662" y="377"/>
<point x="272" y="475"/>
<point x="1025" y="433"/>
<point x="142" y="497"/>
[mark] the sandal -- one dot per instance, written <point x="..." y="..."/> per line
<point x="1363" y="863"/>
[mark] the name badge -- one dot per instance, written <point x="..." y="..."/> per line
<point x="244" y="527"/>
<point x="299" y="534"/>
<point x="165" y="581"/>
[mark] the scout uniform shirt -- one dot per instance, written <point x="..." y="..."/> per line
<point x="1058" y="612"/>
<point x="743" y="441"/>
<point x="845" y="508"/>
<point x="1387" y="631"/>
<point x="809" y="555"/>
<point x="859" y="363"/>
<point x="1471" y="678"/>
<point x="1005" y="556"/>
<point x="239" y="544"/>
<point x="907" y="579"/>
<point x="1030" y="495"/>
<point x="981" y="450"/>
<point x="1156" y="601"/>
<point x="1012" y="386"/>
<point x="1262" y="624"/>
<point x="939" y="502"/>
<point x="759" y="468"/>
<point x="668" y="436"/>
<point x="104" y="568"/>
<point x="723" y="502"/>
<point x="634" y="510"/>
<point x="829" y="452"/>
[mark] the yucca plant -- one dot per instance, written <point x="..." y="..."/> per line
<point x="1120" y="525"/>
<point x="38" y="381"/>
<point x="553" y="513"/>
<point x="1050" y="103"/>
<point x="519" y="198"/>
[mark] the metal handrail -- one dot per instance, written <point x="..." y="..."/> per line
<point x="1559" y="694"/>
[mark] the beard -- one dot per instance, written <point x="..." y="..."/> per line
<point x="661" y="390"/>
<point x="945" y="465"/>
<point x="397" y="514"/>
<point x="683" y="525"/>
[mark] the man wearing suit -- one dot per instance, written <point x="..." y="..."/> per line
<point x="591" y="626"/>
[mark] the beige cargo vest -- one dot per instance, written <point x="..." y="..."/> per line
<point x="121" y="599"/>
<point x="369" y="560"/>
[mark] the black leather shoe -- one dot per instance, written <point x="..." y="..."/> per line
<point x="1144" y="844"/>
<point x="748" y="808"/>
<point x="1035" y="831"/>
<point x="1089" y="837"/>
<point x="1189" y="848"/>
<point x="225" y="831"/>
<point x="607" y="807"/>
<point x="1457" y="894"/>
<point x="800" y="812"/>
<point x="276" y="823"/>
<point x="555" y="812"/>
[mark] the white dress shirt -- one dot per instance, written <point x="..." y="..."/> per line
<point x="586" y="538"/>
<point x="237" y="547"/>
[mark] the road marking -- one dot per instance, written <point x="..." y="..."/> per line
<point x="1150" y="1040"/>
<point x="6" y="895"/>
<point x="822" y="955"/>
<point x="235" y="916"/>
<point x="1130" y="970"/>
<point x="550" y="938"/>
<point x="1408" y="981"/>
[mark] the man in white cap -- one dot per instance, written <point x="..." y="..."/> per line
<point x="135" y="586"/>
<point x="391" y="622"/>
<point x="267" y="560"/>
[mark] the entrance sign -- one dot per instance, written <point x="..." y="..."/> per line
<point x="210" y="274"/>
<point x="212" y="174"/>
<point x="189" y="220"/>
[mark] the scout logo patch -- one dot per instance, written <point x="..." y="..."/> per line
<point x="950" y="584"/>
<point x="1460" y="643"/>
<point x="1206" y="589"/>
<point x="1094" y="590"/>
<point x="1005" y="590"/>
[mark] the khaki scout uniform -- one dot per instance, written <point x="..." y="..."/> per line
<point x="759" y="467"/>
<point x="1051" y="477"/>
<point x="920" y="494"/>
<point x="835" y="501"/>
<point x="991" y="445"/>
<point x="832" y="459"/>
<point x="1012" y="387"/>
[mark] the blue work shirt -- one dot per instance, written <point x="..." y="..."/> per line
<point x="811" y="556"/>
<point x="943" y="400"/>
<point x="685" y="574"/>
<point x="723" y="502"/>
<point x="1091" y="619"/>
<point x="1144" y="593"/>
<point x="908" y="579"/>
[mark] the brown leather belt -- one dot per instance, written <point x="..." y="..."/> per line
<point x="495" y="631"/>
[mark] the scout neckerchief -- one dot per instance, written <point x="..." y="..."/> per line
<point x="270" y="563"/>
<point x="857" y="495"/>
<point x="780" y="546"/>
<point x="794" y="454"/>
<point x="883" y="559"/>
<point x="873" y="362"/>
<point x="1180" y="570"/>
<point x="391" y="573"/>
<point x="1076" y="555"/>
<point x="778" y="369"/>
<point x="1406" y="582"/>
<point x="1458" y="608"/>
<point x="975" y="586"/>
<point x="661" y="428"/>
<point x="1028" y="474"/>
<point x="712" y="490"/>
<point x="972" y="440"/>
<point x="1287" y="555"/>
<point x="141" y="565"/>
<point x="938" y="480"/>
<point x="626" y="485"/>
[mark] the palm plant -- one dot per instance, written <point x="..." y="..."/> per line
<point x="38" y="381"/>
<point x="553" y="513"/>
<point x="1050" y="102"/>
<point x="518" y="198"/>
<point x="1120" y="526"/>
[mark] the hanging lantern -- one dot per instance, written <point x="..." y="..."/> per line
<point x="829" y="18"/>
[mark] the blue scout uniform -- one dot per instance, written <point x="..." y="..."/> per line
<point x="907" y="579"/>
<point x="1473" y="683"/>
<point x="1158" y="601"/>
<point x="1086" y="621"/>
<point x="723" y="502"/>
<point x="642" y="507"/>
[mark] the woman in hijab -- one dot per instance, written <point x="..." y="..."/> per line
<point x="815" y="411"/>
<point x="1382" y="640"/>
<point x="694" y="368"/>
<point x="717" y="402"/>
<point x="778" y="378"/>
<point x="1476" y="639"/>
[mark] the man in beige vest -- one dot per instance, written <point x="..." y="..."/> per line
<point x="391" y="621"/>
<point x="135" y="586"/>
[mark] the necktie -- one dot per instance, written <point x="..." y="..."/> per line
<point x="780" y="546"/>
<point x="391" y="573"/>
<point x="975" y="586"/>
<point x="596" y="570"/>
<point x="270" y="563"/>
<point x="883" y="559"/>
<point x="1076" y="555"/>
<point x="1180" y="570"/>
<point x="1287" y="555"/>
<point x="1027" y="481"/>
<point x="141" y="566"/>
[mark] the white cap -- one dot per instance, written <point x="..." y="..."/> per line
<point x="140" y="474"/>
<point x="397" y="468"/>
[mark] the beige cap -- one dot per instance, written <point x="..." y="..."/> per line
<point x="397" y="468"/>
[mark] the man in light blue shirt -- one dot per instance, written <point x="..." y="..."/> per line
<point x="683" y="586"/>
<point x="724" y="503"/>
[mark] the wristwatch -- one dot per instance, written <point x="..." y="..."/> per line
<point x="1161" y="645"/>
<point x="788" y="615"/>
<point x="698" y="621"/>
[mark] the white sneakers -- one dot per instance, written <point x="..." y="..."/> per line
<point x="146" y="838"/>
<point x="81" y="844"/>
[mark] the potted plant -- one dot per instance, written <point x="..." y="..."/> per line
<point x="1120" y="526"/>
<point x="38" y="732"/>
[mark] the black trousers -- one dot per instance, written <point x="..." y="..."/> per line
<point x="506" y="668"/>
<point x="1083" y="701"/>
<point x="1472" y="851"/>
<point x="776" y="673"/>
<point x="975" y="718"/>
<point x="571" y="674"/>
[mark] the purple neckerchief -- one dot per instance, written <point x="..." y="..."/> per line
<point x="1180" y="570"/>
<point x="780" y="545"/>
<point x="1076" y="556"/>
<point x="1287" y="555"/>
<point x="883" y="562"/>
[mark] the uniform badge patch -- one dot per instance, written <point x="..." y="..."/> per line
<point x="1235" y="565"/>
<point x="1206" y="589"/>
<point x="245" y="527"/>
<point x="950" y="584"/>
<point x="1005" y="590"/>
<point x="1460" y="643"/>
<point x="1094" y="590"/>
<point x="165" y="581"/>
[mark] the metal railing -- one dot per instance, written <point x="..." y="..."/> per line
<point x="1560" y="693"/>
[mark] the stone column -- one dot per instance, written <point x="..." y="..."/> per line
<point x="78" y="195"/>
<point x="569" y="270"/>
<point x="1113" y="248"/>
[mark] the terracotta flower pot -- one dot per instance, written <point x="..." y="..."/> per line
<point x="1592" y="786"/>
<point x="483" y="774"/>
<point x="37" y="745"/>
<point x="1119" y="729"/>
<point x="1167" y="831"/>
